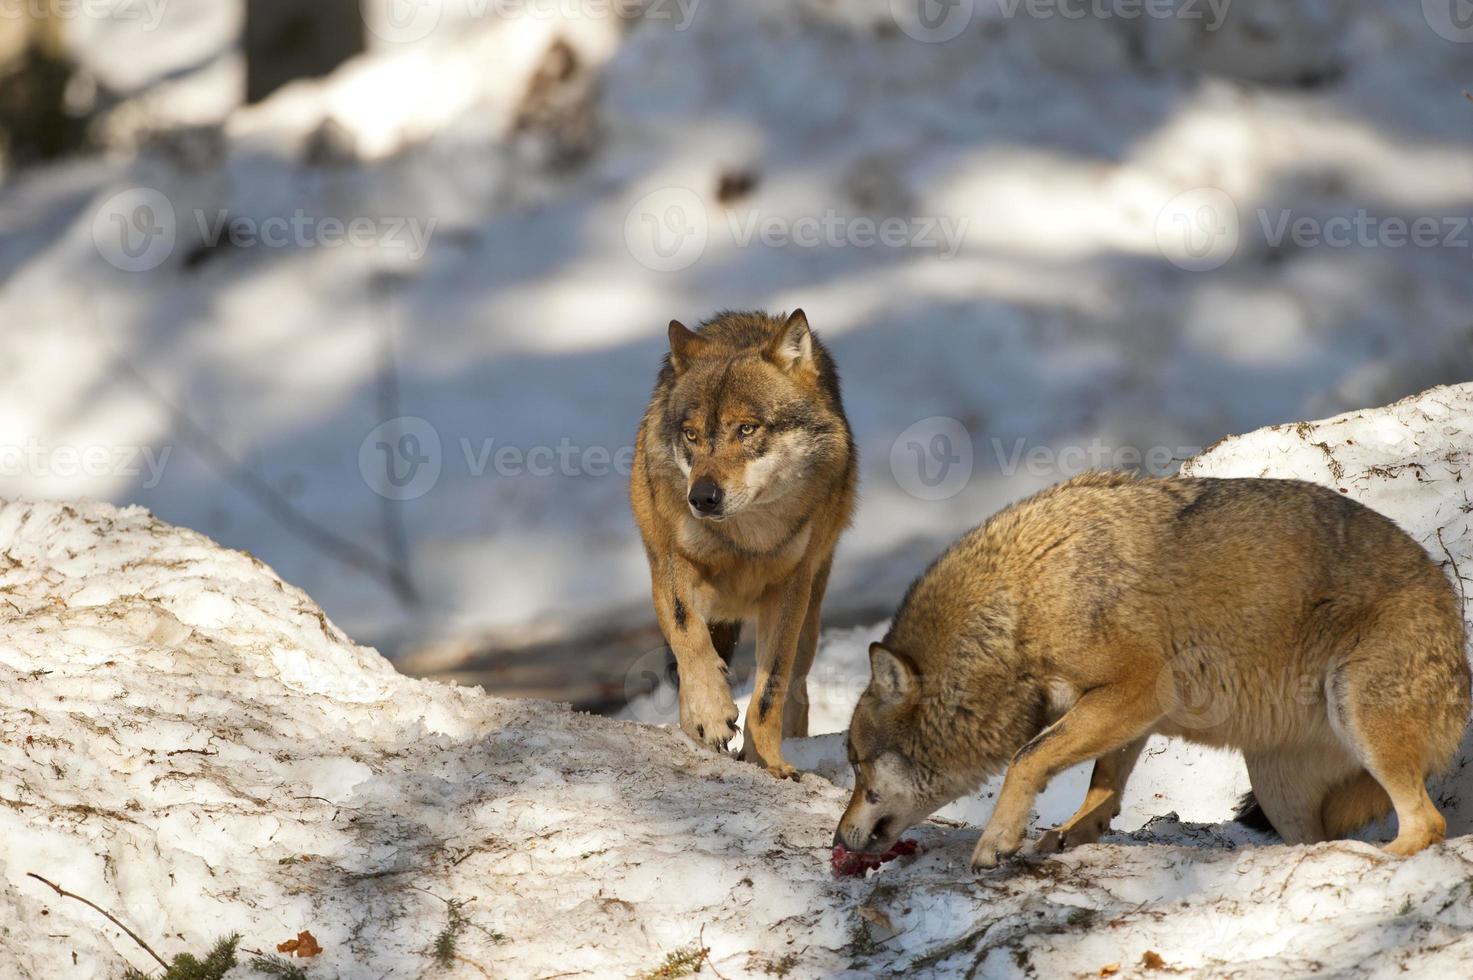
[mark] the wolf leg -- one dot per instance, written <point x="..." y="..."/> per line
<point x="780" y="619"/>
<point x="1399" y="702"/>
<point x="1353" y="804"/>
<point x="795" y="708"/>
<point x="1101" y="803"/>
<point x="707" y="712"/>
<point x="1392" y="745"/>
<point x="1103" y="720"/>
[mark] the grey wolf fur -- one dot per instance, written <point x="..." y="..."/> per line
<point x="744" y="477"/>
<point x="1272" y="616"/>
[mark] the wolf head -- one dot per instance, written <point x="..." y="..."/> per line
<point x="746" y="419"/>
<point x="902" y="770"/>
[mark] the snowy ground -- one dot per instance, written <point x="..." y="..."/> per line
<point x="188" y="742"/>
<point x="240" y="389"/>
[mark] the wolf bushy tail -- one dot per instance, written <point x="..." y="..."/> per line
<point x="1250" y="814"/>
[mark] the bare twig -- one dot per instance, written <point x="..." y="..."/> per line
<point x="110" y="917"/>
<point x="706" y="952"/>
<point x="391" y="512"/>
<point x="466" y="959"/>
<point x="1457" y="572"/>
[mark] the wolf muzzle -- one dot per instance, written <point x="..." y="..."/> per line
<point x="706" y="497"/>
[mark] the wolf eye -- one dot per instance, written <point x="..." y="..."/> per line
<point x="747" y="428"/>
<point x="690" y="434"/>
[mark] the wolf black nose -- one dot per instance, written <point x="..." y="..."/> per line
<point x="705" y="496"/>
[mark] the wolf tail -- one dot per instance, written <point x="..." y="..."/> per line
<point x="1250" y="814"/>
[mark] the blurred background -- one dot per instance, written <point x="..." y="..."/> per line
<point x="377" y="291"/>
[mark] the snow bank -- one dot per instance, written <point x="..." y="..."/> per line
<point x="190" y="743"/>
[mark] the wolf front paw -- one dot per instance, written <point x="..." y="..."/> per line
<point x="708" y="714"/>
<point x="992" y="850"/>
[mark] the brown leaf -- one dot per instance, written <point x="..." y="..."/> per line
<point x="1110" y="970"/>
<point x="1152" y="960"/>
<point x="304" y="945"/>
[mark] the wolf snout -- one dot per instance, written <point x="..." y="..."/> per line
<point x="706" y="497"/>
<point x="853" y="838"/>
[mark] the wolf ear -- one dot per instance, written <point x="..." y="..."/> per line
<point x="685" y="345"/>
<point x="792" y="348"/>
<point x="891" y="677"/>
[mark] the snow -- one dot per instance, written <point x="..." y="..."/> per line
<point x="1068" y="314"/>
<point x="189" y="742"/>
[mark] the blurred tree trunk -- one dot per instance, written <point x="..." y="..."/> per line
<point x="34" y="72"/>
<point x="290" y="39"/>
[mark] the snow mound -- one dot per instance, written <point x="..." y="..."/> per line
<point x="191" y="744"/>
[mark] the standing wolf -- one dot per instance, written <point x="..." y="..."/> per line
<point x="1272" y="616"/>
<point x="744" y="476"/>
